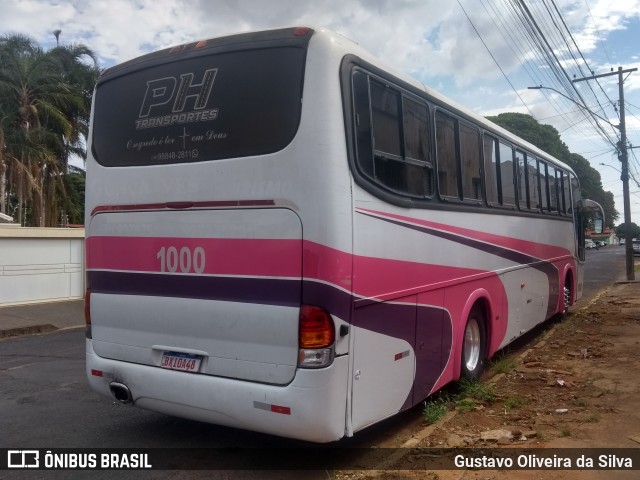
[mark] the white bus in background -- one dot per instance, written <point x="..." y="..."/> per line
<point x="285" y="236"/>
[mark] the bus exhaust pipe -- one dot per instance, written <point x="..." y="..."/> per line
<point x="121" y="392"/>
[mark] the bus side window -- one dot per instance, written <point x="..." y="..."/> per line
<point x="566" y="187"/>
<point x="562" y="204"/>
<point x="491" y="170"/>
<point x="447" y="156"/>
<point x="470" y="162"/>
<point x="507" y="186"/>
<point x="533" y="180"/>
<point x="544" y="186"/>
<point x="416" y="137"/>
<point x="364" y="145"/>
<point x="521" y="180"/>
<point x="392" y="138"/>
<point x="553" y="190"/>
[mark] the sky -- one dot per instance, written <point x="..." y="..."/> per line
<point x="473" y="51"/>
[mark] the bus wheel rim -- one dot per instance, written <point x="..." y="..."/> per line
<point x="472" y="345"/>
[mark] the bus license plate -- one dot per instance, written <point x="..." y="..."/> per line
<point x="185" y="362"/>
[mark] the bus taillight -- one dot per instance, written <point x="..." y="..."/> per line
<point x="317" y="335"/>
<point x="300" y="31"/>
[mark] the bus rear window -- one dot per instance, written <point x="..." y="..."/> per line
<point x="209" y="107"/>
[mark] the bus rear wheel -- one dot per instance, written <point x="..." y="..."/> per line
<point x="567" y="295"/>
<point x="473" y="346"/>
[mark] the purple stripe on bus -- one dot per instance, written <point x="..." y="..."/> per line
<point x="282" y="292"/>
<point x="397" y="320"/>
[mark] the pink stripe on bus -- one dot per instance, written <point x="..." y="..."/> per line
<point x="256" y="257"/>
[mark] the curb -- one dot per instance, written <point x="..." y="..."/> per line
<point x="16" y="332"/>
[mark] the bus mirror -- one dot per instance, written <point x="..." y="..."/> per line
<point x="597" y="226"/>
<point x="596" y="213"/>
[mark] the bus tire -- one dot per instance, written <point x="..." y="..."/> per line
<point x="567" y="295"/>
<point x="473" y="345"/>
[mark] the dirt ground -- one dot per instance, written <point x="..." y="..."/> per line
<point x="575" y="386"/>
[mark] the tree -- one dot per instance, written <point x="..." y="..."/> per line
<point x="45" y="99"/>
<point x="635" y="230"/>
<point x="73" y="195"/>
<point x="547" y="138"/>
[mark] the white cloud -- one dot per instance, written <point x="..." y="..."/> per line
<point x="430" y="39"/>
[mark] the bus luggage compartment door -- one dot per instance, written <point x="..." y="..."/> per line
<point x="219" y="287"/>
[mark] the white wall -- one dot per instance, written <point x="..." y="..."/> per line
<point x="41" y="264"/>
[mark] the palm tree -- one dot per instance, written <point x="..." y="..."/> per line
<point x="44" y="107"/>
<point x="82" y="78"/>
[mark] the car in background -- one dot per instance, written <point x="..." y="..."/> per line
<point x="636" y="247"/>
<point x="589" y="244"/>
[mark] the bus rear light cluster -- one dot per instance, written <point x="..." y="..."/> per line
<point x="317" y="337"/>
<point x="300" y="31"/>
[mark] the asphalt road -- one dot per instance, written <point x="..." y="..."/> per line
<point x="45" y="402"/>
<point x="603" y="267"/>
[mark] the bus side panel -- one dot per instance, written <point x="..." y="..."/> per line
<point x="384" y="359"/>
<point x="434" y="336"/>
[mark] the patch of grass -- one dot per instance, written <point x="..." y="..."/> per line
<point x="503" y="363"/>
<point x="565" y="432"/>
<point x="512" y="402"/>
<point x="593" y="418"/>
<point x="477" y="391"/>
<point x="466" y="405"/>
<point x="434" y="410"/>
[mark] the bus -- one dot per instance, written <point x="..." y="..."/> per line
<point x="283" y="235"/>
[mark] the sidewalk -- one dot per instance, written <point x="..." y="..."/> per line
<point x="40" y="317"/>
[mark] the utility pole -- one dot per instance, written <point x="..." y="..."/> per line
<point x="624" y="159"/>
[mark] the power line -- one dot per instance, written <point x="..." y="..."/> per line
<point x="547" y="55"/>
<point x="525" y="43"/>
<point x="598" y="31"/>
<point x="581" y="56"/>
<point x="494" y="58"/>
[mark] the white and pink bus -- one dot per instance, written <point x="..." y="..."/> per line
<point x="285" y="236"/>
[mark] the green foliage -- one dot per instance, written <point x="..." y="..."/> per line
<point x="503" y="363"/>
<point x="512" y="402"/>
<point x="71" y="196"/>
<point x="547" y="138"/>
<point x="434" y="410"/>
<point x="466" y="405"/>
<point x="477" y="390"/>
<point x="45" y="99"/>
<point x="621" y="230"/>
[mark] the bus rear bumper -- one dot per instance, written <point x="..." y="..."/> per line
<point x="311" y="408"/>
